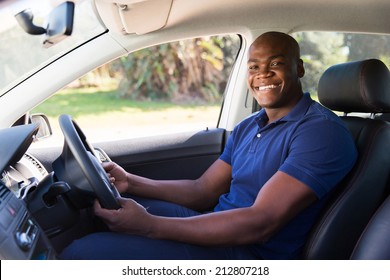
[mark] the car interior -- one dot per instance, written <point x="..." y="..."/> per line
<point x="46" y="193"/>
<point x="362" y="87"/>
<point x="338" y="233"/>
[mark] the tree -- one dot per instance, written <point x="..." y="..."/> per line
<point x="176" y="71"/>
<point x="363" y="46"/>
<point x="319" y="50"/>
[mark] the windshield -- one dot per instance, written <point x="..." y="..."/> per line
<point x="22" y="54"/>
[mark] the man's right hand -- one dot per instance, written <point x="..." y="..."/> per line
<point x="117" y="175"/>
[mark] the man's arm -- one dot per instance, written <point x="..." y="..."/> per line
<point x="201" y="194"/>
<point x="281" y="199"/>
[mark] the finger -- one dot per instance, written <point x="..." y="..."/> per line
<point x="107" y="166"/>
<point x="105" y="213"/>
<point x="100" y="211"/>
<point x="129" y="203"/>
<point x="97" y="207"/>
<point x="111" y="178"/>
<point x="123" y="201"/>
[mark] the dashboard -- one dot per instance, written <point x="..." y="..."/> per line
<point x="20" y="235"/>
<point x="24" y="176"/>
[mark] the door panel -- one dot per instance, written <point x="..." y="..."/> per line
<point x="176" y="156"/>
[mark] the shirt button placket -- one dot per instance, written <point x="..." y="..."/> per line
<point x="255" y="142"/>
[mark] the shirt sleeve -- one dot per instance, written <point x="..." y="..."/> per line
<point x="320" y="155"/>
<point x="226" y="156"/>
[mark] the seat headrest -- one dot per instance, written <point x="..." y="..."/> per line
<point x="360" y="86"/>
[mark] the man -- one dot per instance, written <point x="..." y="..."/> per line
<point x="265" y="190"/>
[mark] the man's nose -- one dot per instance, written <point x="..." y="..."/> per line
<point x="263" y="72"/>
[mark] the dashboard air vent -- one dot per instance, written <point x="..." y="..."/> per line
<point x="37" y="164"/>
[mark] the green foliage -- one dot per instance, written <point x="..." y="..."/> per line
<point x="319" y="50"/>
<point x="367" y="46"/>
<point x="195" y="69"/>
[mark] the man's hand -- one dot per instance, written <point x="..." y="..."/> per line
<point x="117" y="175"/>
<point x="131" y="218"/>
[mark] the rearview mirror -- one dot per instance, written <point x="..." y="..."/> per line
<point x="59" y="23"/>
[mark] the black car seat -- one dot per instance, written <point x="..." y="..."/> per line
<point x="374" y="244"/>
<point x="362" y="87"/>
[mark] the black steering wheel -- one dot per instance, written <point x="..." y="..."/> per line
<point x="82" y="170"/>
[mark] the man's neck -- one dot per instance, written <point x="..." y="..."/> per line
<point x="278" y="113"/>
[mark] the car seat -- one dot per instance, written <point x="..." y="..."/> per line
<point x="374" y="243"/>
<point x="358" y="87"/>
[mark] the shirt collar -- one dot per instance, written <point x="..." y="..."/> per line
<point x="295" y="114"/>
<point x="300" y="109"/>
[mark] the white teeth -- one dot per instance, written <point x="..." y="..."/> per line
<point x="267" y="87"/>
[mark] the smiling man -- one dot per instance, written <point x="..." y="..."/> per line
<point x="265" y="190"/>
<point x="274" y="72"/>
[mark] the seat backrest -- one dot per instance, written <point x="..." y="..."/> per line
<point x="363" y="87"/>
<point x="374" y="243"/>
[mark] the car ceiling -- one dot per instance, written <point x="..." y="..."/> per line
<point x="284" y="15"/>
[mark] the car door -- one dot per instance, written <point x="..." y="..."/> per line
<point x="149" y="132"/>
<point x="176" y="156"/>
<point x="183" y="155"/>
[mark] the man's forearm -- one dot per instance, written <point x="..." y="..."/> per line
<point x="183" y="192"/>
<point x="227" y="228"/>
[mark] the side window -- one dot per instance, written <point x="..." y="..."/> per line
<point x="162" y="89"/>
<point x="320" y="50"/>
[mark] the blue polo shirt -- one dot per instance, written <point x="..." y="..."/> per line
<point x="310" y="144"/>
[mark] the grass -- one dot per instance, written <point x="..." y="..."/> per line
<point x="102" y="115"/>
<point x="92" y="101"/>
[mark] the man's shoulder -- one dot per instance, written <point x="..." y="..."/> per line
<point x="320" y="112"/>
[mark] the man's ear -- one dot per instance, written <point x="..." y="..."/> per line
<point x="301" y="68"/>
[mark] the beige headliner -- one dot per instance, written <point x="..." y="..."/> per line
<point x="288" y="15"/>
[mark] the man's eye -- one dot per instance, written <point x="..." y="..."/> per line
<point x="252" y="67"/>
<point x="276" y="63"/>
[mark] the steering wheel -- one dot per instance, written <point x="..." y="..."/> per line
<point x="81" y="169"/>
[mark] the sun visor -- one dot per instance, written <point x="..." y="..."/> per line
<point x="134" y="16"/>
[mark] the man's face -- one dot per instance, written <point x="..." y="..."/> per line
<point x="273" y="74"/>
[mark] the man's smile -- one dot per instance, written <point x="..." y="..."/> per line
<point x="267" y="87"/>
